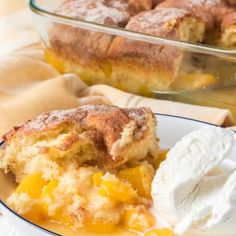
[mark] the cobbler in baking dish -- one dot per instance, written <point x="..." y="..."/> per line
<point x="135" y="65"/>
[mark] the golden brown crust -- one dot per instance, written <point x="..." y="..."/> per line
<point x="155" y="2"/>
<point x="228" y="21"/>
<point x="107" y="12"/>
<point x="108" y="120"/>
<point x="111" y="130"/>
<point x="231" y="2"/>
<point x="140" y="5"/>
<point x="210" y="11"/>
<point x="228" y="31"/>
<point x="79" y="44"/>
<point x="84" y="45"/>
<point x="163" y="22"/>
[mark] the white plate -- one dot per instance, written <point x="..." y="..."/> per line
<point x="170" y="130"/>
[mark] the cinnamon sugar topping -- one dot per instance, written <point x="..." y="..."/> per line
<point x="111" y="13"/>
<point x="157" y="17"/>
<point x="111" y="135"/>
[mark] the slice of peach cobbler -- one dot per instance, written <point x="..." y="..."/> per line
<point x="89" y="168"/>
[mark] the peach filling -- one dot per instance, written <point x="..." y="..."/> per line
<point x="125" y="195"/>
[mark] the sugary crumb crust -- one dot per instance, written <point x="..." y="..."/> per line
<point x="99" y="135"/>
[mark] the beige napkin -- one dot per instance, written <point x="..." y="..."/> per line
<point x="17" y="31"/>
<point x="30" y="86"/>
<point x="9" y="6"/>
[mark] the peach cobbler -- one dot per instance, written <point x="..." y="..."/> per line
<point x="89" y="167"/>
<point x="135" y="65"/>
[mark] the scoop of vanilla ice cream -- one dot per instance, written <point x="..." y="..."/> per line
<point x="194" y="190"/>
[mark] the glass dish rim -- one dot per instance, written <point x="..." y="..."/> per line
<point x="193" y="47"/>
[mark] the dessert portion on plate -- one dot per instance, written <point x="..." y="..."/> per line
<point x="137" y="66"/>
<point x="89" y="167"/>
<point x="101" y="135"/>
<point x="99" y="169"/>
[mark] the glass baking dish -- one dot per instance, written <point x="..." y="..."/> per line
<point x="206" y="75"/>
